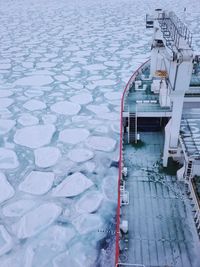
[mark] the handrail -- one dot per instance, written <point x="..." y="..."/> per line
<point x="120" y="159"/>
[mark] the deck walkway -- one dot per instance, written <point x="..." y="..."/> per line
<point x="161" y="226"/>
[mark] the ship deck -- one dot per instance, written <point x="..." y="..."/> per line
<point x="161" y="226"/>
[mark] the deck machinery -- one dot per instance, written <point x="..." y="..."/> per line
<point x="158" y="212"/>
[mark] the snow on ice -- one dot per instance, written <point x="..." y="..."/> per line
<point x="6" y="190"/>
<point x="8" y="159"/>
<point x="34" y="136"/>
<point x="46" y="156"/>
<point x="37" y="183"/>
<point x="34" y="104"/>
<point x="72" y="185"/>
<point x="80" y="154"/>
<point x="66" y="108"/>
<point x="73" y="136"/>
<point x="106" y="144"/>
<point x="6" y="126"/>
<point x="36" y="220"/>
<point x="90" y="202"/>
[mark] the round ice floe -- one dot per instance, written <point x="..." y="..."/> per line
<point x="73" y="185"/>
<point x="34" y="136"/>
<point x="5" y="102"/>
<point x="106" y="144"/>
<point x="66" y="108"/>
<point x="6" y="190"/>
<point x="106" y="82"/>
<point x="6" y="126"/>
<point x="80" y="154"/>
<point x="35" y="80"/>
<point x="98" y="109"/>
<point x="37" y="183"/>
<point x="6" y="241"/>
<point x="87" y="223"/>
<point x="46" y="156"/>
<point x="73" y="136"/>
<point x="34" y="104"/>
<point x="18" y="208"/>
<point x="113" y="95"/>
<point x="49" y="118"/>
<point x="90" y="202"/>
<point x="82" y="98"/>
<point x="36" y="220"/>
<point x="8" y="159"/>
<point x="27" y="119"/>
<point x="5" y="93"/>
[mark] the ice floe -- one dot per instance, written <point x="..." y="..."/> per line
<point x="36" y="220"/>
<point x="87" y="223"/>
<point x="66" y="108"/>
<point x="6" y="126"/>
<point x="102" y="143"/>
<point x="73" y="136"/>
<point x="18" y="208"/>
<point x="6" y="190"/>
<point x="5" y="93"/>
<point x="80" y="154"/>
<point x="113" y="95"/>
<point x="34" y="136"/>
<point x="8" y="159"/>
<point x="37" y="183"/>
<point x="51" y="242"/>
<point x="90" y="202"/>
<point x="34" y="104"/>
<point x="72" y="185"/>
<point x="82" y="98"/>
<point x="6" y="242"/>
<point x="46" y="156"/>
<point x="27" y="119"/>
<point x="5" y="102"/>
<point x="35" y="80"/>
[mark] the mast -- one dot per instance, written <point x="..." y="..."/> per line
<point x="172" y="55"/>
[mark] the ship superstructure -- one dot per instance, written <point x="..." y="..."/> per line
<point x="158" y="220"/>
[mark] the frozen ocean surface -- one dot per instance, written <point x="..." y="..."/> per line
<point x="63" y="66"/>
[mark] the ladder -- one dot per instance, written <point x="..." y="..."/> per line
<point x="188" y="172"/>
<point x="132" y="127"/>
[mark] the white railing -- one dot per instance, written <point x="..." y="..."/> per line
<point x="129" y="264"/>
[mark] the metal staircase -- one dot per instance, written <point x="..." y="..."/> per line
<point x="188" y="172"/>
<point x="132" y="127"/>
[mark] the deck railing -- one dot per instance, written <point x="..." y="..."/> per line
<point x="125" y="92"/>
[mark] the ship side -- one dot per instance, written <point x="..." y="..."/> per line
<point x="158" y="215"/>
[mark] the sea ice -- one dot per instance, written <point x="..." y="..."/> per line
<point x="6" y="190"/>
<point x="5" y="102"/>
<point x="98" y="109"/>
<point x="66" y="108"/>
<point x="113" y="95"/>
<point x="6" y="242"/>
<point x="35" y="80"/>
<point x="6" y="126"/>
<point x="34" y="136"/>
<point x="86" y="223"/>
<point x="34" y="104"/>
<point x="80" y="154"/>
<point x="5" y="93"/>
<point x="18" y="208"/>
<point x="89" y="202"/>
<point x="37" y="183"/>
<point x="28" y="119"/>
<point x="73" y="136"/>
<point x="73" y="185"/>
<point x="36" y="220"/>
<point x="8" y="159"/>
<point x="102" y="143"/>
<point x="65" y="259"/>
<point x="50" y="243"/>
<point x="109" y="187"/>
<point x="82" y="98"/>
<point x="46" y="156"/>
